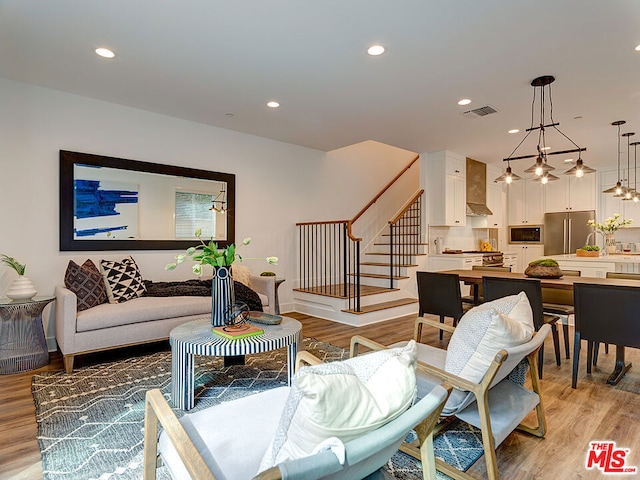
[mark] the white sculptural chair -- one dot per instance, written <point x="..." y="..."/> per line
<point x="229" y="440"/>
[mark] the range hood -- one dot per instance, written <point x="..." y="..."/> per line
<point x="477" y="189"/>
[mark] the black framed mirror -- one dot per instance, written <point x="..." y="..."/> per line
<point x="109" y="203"/>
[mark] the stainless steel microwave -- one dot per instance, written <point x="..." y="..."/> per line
<point x="526" y="234"/>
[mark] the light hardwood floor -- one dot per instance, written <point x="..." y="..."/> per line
<point x="595" y="411"/>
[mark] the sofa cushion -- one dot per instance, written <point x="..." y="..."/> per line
<point x="345" y="400"/>
<point x="122" y="279"/>
<point x="140" y="310"/>
<point x="87" y="283"/>
<point x="486" y="329"/>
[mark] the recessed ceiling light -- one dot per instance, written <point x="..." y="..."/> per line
<point x="568" y="160"/>
<point x="375" y="50"/>
<point x="273" y="104"/>
<point x="464" y="101"/>
<point x="638" y="48"/>
<point x="514" y="130"/>
<point x="545" y="148"/>
<point x="105" y="52"/>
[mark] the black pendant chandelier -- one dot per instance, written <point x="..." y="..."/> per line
<point x="541" y="168"/>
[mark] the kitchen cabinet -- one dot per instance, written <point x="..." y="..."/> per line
<point x="447" y="189"/>
<point x="510" y="260"/>
<point x="462" y="261"/>
<point x="571" y="193"/>
<point x="526" y="202"/>
<point x="494" y="202"/>
<point x="526" y="254"/>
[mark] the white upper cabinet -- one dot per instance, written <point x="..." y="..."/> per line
<point x="571" y="194"/>
<point x="447" y="189"/>
<point x="494" y="198"/>
<point x="525" y="202"/>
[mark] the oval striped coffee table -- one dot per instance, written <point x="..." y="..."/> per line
<point x="197" y="338"/>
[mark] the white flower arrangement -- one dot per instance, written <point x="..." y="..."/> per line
<point x="210" y="254"/>
<point x="610" y="225"/>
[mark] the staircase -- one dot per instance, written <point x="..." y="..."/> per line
<point x="342" y="281"/>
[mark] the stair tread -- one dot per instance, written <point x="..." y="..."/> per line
<point x="403" y="244"/>
<point x="384" y="305"/>
<point x="382" y="264"/>
<point x="335" y="291"/>
<point x="397" y="254"/>
<point x="377" y="275"/>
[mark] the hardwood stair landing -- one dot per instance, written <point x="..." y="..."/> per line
<point x="382" y="264"/>
<point x="383" y="306"/>
<point x="337" y="290"/>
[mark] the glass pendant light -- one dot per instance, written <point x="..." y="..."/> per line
<point x="629" y="192"/>
<point x="617" y="188"/>
<point x="636" y="196"/>
<point x="508" y="176"/>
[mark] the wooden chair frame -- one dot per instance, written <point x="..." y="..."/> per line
<point x="158" y="413"/>
<point x="479" y="390"/>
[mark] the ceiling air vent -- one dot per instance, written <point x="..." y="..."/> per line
<point x="480" y="112"/>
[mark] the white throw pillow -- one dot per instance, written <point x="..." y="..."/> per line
<point x="486" y="329"/>
<point x="345" y="400"/>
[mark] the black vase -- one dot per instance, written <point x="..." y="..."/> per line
<point x="222" y="294"/>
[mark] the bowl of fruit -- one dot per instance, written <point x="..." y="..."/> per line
<point x="588" y="251"/>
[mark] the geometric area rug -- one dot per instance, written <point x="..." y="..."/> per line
<point x="90" y="423"/>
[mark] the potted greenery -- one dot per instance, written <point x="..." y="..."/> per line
<point x="21" y="288"/>
<point x="588" y="251"/>
<point x="221" y="259"/>
<point x="543" y="268"/>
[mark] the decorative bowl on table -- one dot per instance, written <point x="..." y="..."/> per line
<point x="543" y="268"/>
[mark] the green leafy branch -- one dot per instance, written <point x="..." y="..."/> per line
<point x="13" y="263"/>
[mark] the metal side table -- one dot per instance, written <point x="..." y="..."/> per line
<point x="22" y="343"/>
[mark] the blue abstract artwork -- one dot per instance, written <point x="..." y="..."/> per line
<point x="103" y="208"/>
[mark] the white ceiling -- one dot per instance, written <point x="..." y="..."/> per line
<point x="201" y="60"/>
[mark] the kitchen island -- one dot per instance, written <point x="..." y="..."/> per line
<point x="599" y="266"/>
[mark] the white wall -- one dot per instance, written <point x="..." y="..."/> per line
<point x="277" y="184"/>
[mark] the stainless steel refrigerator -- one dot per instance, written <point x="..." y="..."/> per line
<point x="566" y="232"/>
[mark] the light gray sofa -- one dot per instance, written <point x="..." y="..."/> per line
<point x="136" y="321"/>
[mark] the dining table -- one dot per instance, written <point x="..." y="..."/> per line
<point x="474" y="278"/>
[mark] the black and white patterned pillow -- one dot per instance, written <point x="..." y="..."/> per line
<point x="122" y="279"/>
<point x="87" y="283"/>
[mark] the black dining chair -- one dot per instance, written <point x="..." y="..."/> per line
<point x="439" y="294"/>
<point x="605" y="313"/>
<point x="625" y="276"/>
<point x="560" y="302"/>
<point x="477" y="296"/>
<point x="495" y="288"/>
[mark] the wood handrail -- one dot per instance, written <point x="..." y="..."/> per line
<point x="327" y="222"/>
<point x="375" y="199"/>
<point x="387" y="187"/>
<point x="406" y="208"/>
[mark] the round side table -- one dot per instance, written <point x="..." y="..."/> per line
<point x="22" y="343"/>
<point x="197" y="338"/>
